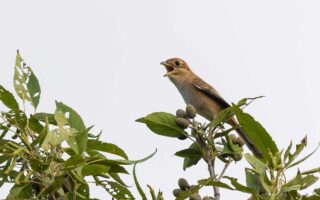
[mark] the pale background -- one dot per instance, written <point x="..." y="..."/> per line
<point x="102" y="58"/>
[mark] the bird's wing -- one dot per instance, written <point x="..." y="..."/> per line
<point x="210" y="92"/>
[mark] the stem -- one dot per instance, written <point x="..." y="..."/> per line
<point x="213" y="175"/>
<point x="224" y="170"/>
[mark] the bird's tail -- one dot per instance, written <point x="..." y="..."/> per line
<point x="248" y="142"/>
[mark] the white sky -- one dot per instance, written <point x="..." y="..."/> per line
<point x="102" y="58"/>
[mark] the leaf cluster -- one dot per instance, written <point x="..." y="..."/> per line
<point x="53" y="155"/>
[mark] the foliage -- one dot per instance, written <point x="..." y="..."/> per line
<point x="266" y="179"/>
<point x="52" y="155"/>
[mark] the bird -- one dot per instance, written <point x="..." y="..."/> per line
<point x="205" y="98"/>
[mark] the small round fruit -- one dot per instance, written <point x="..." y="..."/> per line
<point x="195" y="197"/>
<point x="183" y="184"/>
<point x="181" y="113"/>
<point x="233" y="138"/>
<point x="182" y="122"/>
<point x="191" y="111"/>
<point x="177" y="192"/>
<point x="239" y="141"/>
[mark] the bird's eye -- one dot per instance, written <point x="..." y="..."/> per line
<point x="177" y="63"/>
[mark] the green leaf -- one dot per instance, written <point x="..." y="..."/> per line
<point x="241" y="187"/>
<point x="43" y="116"/>
<point x="189" y="153"/>
<point x="117" y="178"/>
<point x="201" y="184"/>
<point x="8" y="99"/>
<point x="34" y="124"/>
<point x="4" y="158"/>
<point x="160" y="196"/>
<point x="303" y="181"/>
<point x="311" y="171"/>
<point x="82" y="192"/>
<point x="163" y="124"/>
<point x="5" y="129"/>
<point x="257" y="134"/>
<point x="223" y="116"/>
<point x="36" y="165"/>
<point x="210" y="182"/>
<point x="56" y="136"/>
<point x="74" y="121"/>
<point x="55" y="185"/>
<point x="16" y="117"/>
<point x="136" y="182"/>
<point x="152" y="193"/>
<point x="74" y="161"/>
<point x="299" y="148"/>
<point x="258" y="165"/>
<point x="26" y="83"/>
<point x="191" y="160"/>
<point x="94" y="169"/>
<point x="185" y="194"/>
<point x="122" y="162"/>
<point x="118" y="191"/>
<point x="223" y="133"/>
<point x="19" y="192"/>
<point x="291" y="188"/>
<point x="252" y="181"/>
<point x="42" y="135"/>
<point x="304" y="158"/>
<point x="244" y="102"/>
<point x="286" y="154"/>
<point x="117" y="169"/>
<point x="106" y="147"/>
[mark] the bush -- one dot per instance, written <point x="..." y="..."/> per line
<point x="52" y="155"/>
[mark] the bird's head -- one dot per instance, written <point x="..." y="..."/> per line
<point x="176" y="68"/>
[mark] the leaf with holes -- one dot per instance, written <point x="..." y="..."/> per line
<point x="303" y="181"/>
<point x="118" y="191"/>
<point x="16" y="117"/>
<point x="80" y="138"/>
<point x="26" y="83"/>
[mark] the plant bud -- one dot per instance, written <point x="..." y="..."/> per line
<point x="195" y="197"/>
<point x="206" y="198"/>
<point x="237" y="156"/>
<point x="239" y="141"/>
<point x="181" y="113"/>
<point x="177" y="192"/>
<point x="191" y="111"/>
<point x="182" y="122"/>
<point x="183" y="184"/>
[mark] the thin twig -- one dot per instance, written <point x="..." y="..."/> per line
<point x="213" y="175"/>
<point x="224" y="170"/>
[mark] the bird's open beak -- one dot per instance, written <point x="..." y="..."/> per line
<point x="168" y="67"/>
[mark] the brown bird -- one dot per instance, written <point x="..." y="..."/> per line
<point x="201" y="95"/>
